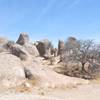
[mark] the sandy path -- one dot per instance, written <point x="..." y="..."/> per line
<point x="27" y="97"/>
<point x="87" y="92"/>
<point x="84" y="92"/>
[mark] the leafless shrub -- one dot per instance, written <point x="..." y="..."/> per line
<point x="84" y="51"/>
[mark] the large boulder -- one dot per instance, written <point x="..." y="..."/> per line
<point x="47" y="78"/>
<point x="31" y="49"/>
<point x="61" y="46"/>
<point x="71" y="68"/>
<point x="11" y="70"/>
<point x="44" y="47"/>
<point x="23" y="38"/>
<point x="3" y="41"/>
<point x="2" y="49"/>
<point x="17" y="50"/>
<point x="72" y="44"/>
<point x="24" y="41"/>
<point x="55" y="52"/>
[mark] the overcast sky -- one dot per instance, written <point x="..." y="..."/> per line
<point x="52" y="19"/>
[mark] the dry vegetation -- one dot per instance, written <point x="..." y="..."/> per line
<point x="81" y="58"/>
<point x="38" y="67"/>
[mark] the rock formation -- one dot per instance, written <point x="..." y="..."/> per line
<point x="23" y="38"/>
<point x="44" y="47"/>
<point x="24" y="41"/>
<point x="61" y="46"/>
<point x="21" y="62"/>
<point x="11" y="70"/>
<point x="72" y="44"/>
<point x="17" y="50"/>
<point x="3" y="41"/>
<point x="31" y="49"/>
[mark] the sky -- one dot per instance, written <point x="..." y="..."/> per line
<point x="50" y="19"/>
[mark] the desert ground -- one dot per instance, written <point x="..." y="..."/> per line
<point x="83" y="92"/>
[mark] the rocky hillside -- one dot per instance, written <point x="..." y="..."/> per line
<point x="23" y="61"/>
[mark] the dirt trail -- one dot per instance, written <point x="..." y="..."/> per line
<point x="83" y="92"/>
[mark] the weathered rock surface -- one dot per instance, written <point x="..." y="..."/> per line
<point x="18" y="50"/>
<point x="3" y="41"/>
<point x="44" y="48"/>
<point x="71" y="68"/>
<point x="11" y="70"/>
<point x="47" y="78"/>
<point x="24" y="41"/>
<point x="31" y="49"/>
<point x="23" y="38"/>
<point x="61" y="46"/>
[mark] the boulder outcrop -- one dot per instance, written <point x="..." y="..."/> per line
<point x="44" y="47"/>
<point x="61" y="46"/>
<point x="23" y="38"/>
<point x="24" y="41"/>
<point x="11" y="70"/>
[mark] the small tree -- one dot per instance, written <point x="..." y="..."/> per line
<point x="85" y="52"/>
<point x="81" y="51"/>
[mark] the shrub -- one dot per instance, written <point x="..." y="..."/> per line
<point x="85" y="52"/>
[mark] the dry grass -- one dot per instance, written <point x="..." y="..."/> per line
<point x="27" y="86"/>
<point x="23" y="89"/>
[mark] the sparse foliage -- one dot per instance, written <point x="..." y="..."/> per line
<point x="83" y="51"/>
